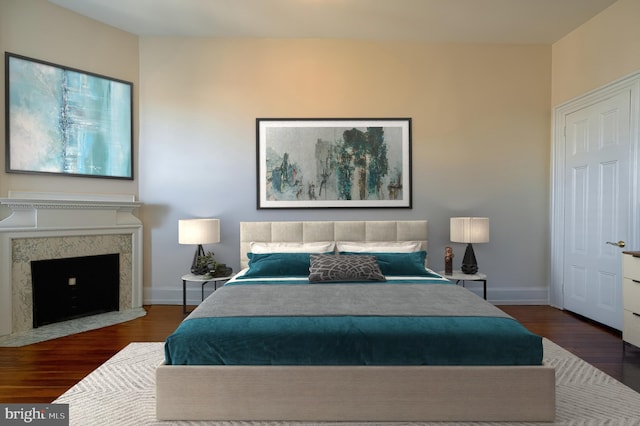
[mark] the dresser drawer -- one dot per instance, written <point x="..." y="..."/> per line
<point x="631" y="266"/>
<point x="631" y="328"/>
<point x="631" y="295"/>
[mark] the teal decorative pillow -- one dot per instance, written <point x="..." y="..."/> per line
<point x="332" y="268"/>
<point x="399" y="263"/>
<point x="277" y="265"/>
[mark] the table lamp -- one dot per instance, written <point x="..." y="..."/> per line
<point x="469" y="230"/>
<point x="198" y="231"/>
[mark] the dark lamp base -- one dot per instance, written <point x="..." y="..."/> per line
<point x="195" y="269"/>
<point x="469" y="263"/>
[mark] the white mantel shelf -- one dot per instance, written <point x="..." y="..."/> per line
<point x="37" y="210"/>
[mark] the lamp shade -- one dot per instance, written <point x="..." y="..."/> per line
<point x="198" y="231"/>
<point x="469" y="229"/>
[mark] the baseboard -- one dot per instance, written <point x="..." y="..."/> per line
<point x="519" y="296"/>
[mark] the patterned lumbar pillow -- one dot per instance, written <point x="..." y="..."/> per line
<point x="332" y="268"/>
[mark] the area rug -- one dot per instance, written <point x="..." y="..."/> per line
<point x="66" y="328"/>
<point x="121" y="392"/>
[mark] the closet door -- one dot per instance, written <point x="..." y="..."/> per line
<point x="597" y="200"/>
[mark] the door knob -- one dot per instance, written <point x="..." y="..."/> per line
<point x="620" y="244"/>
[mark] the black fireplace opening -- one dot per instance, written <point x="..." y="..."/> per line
<point x="74" y="287"/>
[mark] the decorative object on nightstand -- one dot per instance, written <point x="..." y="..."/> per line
<point x="448" y="260"/>
<point x="469" y="230"/>
<point x="200" y="231"/>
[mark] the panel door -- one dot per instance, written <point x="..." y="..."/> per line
<point x="597" y="206"/>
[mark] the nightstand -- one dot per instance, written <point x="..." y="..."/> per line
<point x="193" y="278"/>
<point x="458" y="276"/>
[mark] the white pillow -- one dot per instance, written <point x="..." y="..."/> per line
<point x="379" y="246"/>
<point x="315" y="247"/>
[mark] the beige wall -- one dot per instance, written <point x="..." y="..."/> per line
<point x="481" y="118"/>
<point x="480" y="140"/>
<point x="40" y="30"/>
<point x="602" y="50"/>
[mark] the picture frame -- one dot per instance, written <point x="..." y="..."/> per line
<point x="333" y="163"/>
<point x="64" y="121"/>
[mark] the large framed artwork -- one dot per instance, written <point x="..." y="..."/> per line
<point x="61" y="120"/>
<point x="336" y="162"/>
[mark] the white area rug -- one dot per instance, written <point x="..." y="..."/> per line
<point x="66" y="328"/>
<point x="122" y="392"/>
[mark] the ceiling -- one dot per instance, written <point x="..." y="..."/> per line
<point x="456" y="21"/>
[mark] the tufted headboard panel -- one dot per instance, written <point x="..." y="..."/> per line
<point x="310" y="231"/>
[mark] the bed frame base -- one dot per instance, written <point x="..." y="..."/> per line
<point x="356" y="393"/>
<point x="352" y="393"/>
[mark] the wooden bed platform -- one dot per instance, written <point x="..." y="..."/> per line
<point x="352" y="393"/>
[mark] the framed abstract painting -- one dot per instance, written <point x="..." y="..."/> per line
<point x="333" y="163"/>
<point x="61" y="120"/>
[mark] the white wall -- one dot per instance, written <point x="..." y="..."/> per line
<point x="480" y="133"/>
<point x="480" y="141"/>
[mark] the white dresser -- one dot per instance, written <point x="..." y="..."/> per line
<point x="631" y="297"/>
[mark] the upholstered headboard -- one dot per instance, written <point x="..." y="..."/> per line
<point x="305" y="232"/>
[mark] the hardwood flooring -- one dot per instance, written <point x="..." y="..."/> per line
<point x="599" y="345"/>
<point x="41" y="372"/>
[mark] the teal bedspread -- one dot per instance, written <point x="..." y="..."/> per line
<point x="479" y="335"/>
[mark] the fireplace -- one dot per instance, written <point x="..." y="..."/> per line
<point x="75" y="287"/>
<point x="46" y="226"/>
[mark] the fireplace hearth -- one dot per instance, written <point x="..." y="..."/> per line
<point x="76" y="287"/>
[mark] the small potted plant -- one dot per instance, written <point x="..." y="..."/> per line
<point x="206" y="265"/>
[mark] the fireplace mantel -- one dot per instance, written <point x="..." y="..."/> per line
<point x="39" y="210"/>
<point x="54" y="215"/>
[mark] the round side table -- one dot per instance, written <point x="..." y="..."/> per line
<point x="458" y="276"/>
<point x="193" y="278"/>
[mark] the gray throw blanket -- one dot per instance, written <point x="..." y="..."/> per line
<point x="345" y="299"/>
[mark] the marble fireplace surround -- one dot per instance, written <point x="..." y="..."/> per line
<point x="59" y="225"/>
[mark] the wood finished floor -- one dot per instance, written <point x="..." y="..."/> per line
<point x="41" y="372"/>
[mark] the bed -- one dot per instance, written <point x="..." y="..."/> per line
<point x="318" y="376"/>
